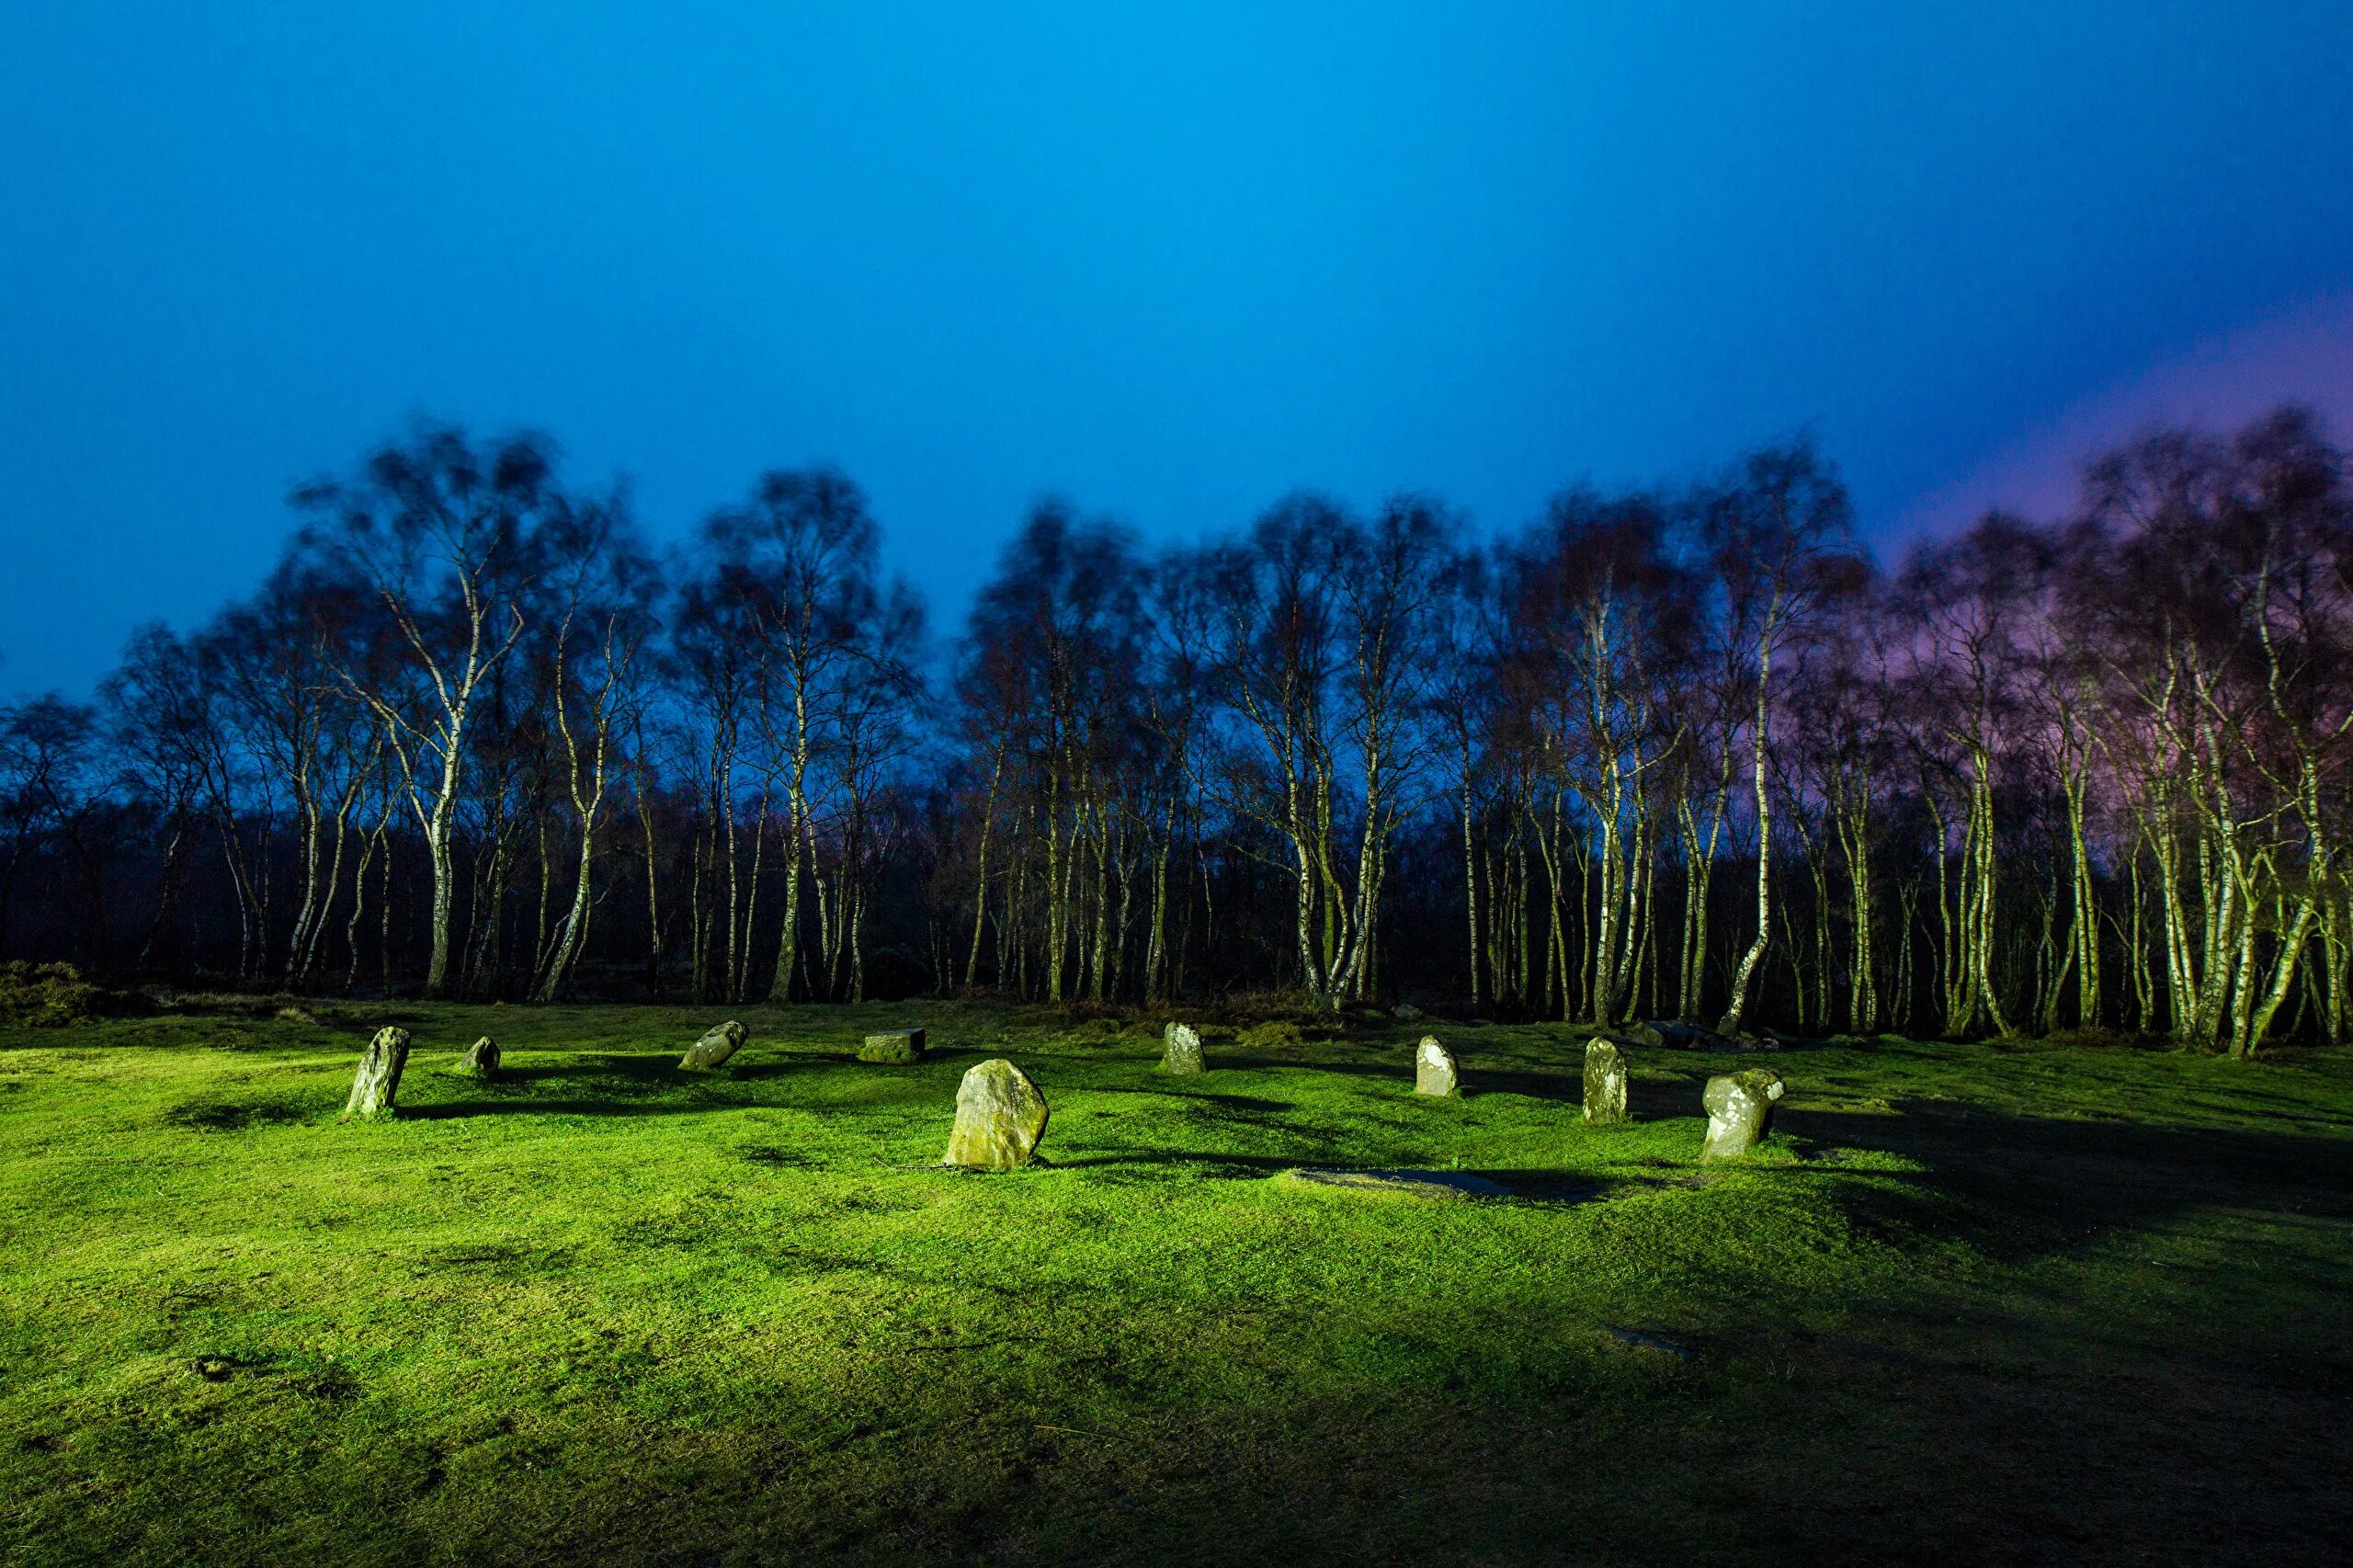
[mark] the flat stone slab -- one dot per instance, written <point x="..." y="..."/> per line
<point x="894" y="1048"/>
<point x="1402" y="1184"/>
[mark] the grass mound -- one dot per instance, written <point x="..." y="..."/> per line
<point x="1989" y="1303"/>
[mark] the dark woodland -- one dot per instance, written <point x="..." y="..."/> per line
<point x="1683" y="752"/>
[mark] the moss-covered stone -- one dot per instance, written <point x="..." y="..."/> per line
<point x="1182" y="1053"/>
<point x="1605" y="1082"/>
<point x="892" y="1047"/>
<point x="714" y="1048"/>
<point x="481" y="1060"/>
<point x="378" y="1081"/>
<point x="1434" y="1072"/>
<point x="1740" y="1112"/>
<point x="1000" y="1118"/>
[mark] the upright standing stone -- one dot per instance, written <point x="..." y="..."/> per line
<point x="1434" y="1069"/>
<point x="1740" y="1112"/>
<point x="1605" y="1082"/>
<point x="481" y="1060"/>
<point x="1184" y="1052"/>
<point x="379" y="1078"/>
<point x="1000" y="1116"/>
<point x="896" y="1048"/>
<point x="714" y="1048"/>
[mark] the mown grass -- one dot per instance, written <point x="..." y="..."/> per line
<point x="1972" y="1304"/>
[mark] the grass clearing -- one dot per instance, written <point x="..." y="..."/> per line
<point x="1976" y="1304"/>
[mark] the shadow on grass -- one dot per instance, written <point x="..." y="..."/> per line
<point x="2046" y="1181"/>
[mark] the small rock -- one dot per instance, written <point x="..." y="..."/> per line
<point x="1000" y="1116"/>
<point x="1637" y="1033"/>
<point x="1434" y="1071"/>
<point x="714" y="1048"/>
<point x="1605" y="1082"/>
<point x="894" y="1048"/>
<point x="481" y="1060"/>
<point x="1183" y="1054"/>
<point x="1740" y="1112"/>
<point x="1406" y="1013"/>
<point x="379" y="1078"/>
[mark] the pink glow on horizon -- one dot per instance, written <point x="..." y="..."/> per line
<point x="2304" y="355"/>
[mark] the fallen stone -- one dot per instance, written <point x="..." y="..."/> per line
<point x="1183" y="1053"/>
<point x="1605" y="1082"/>
<point x="1000" y="1116"/>
<point x="481" y="1060"/>
<point x="1434" y="1071"/>
<point x="1637" y="1033"/>
<point x="714" y="1048"/>
<point x="894" y="1048"/>
<point x="1402" y="1184"/>
<point x="379" y="1078"/>
<point x="1406" y="1013"/>
<point x="1740" y="1112"/>
<point x="1636" y="1337"/>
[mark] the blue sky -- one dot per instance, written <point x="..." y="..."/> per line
<point x="1168" y="260"/>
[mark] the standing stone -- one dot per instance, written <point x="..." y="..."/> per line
<point x="894" y="1048"/>
<point x="1000" y="1116"/>
<point x="482" y="1059"/>
<point x="379" y="1078"/>
<point x="1434" y="1070"/>
<point x="714" y="1048"/>
<point x="1740" y="1112"/>
<point x="1184" y="1053"/>
<point x="1605" y="1082"/>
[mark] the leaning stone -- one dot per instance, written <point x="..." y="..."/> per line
<point x="1740" y="1112"/>
<point x="1434" y="1071"/>
<point x="1605" y="1082"/>
<point x="1637" y="1033"/>
<point x="895" y="1048"/>
<point x="1000" y="1116"/>
<point x="379" y="1078"/>
<point x="481" y="1060"/>
<point x="714" y="1048"/>
<point x="1184" y="1050"/>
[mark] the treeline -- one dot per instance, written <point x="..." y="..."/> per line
<point x="1679" y="751"/>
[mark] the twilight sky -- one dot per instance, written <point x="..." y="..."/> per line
<point x="1169" y="260"/>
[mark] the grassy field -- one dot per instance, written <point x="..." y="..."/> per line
<point x="1971" y="1304"/>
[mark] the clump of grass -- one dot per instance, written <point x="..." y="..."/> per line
<point x="48" y="997"/>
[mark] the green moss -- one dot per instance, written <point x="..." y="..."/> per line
<point x="599" y="1309"/>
